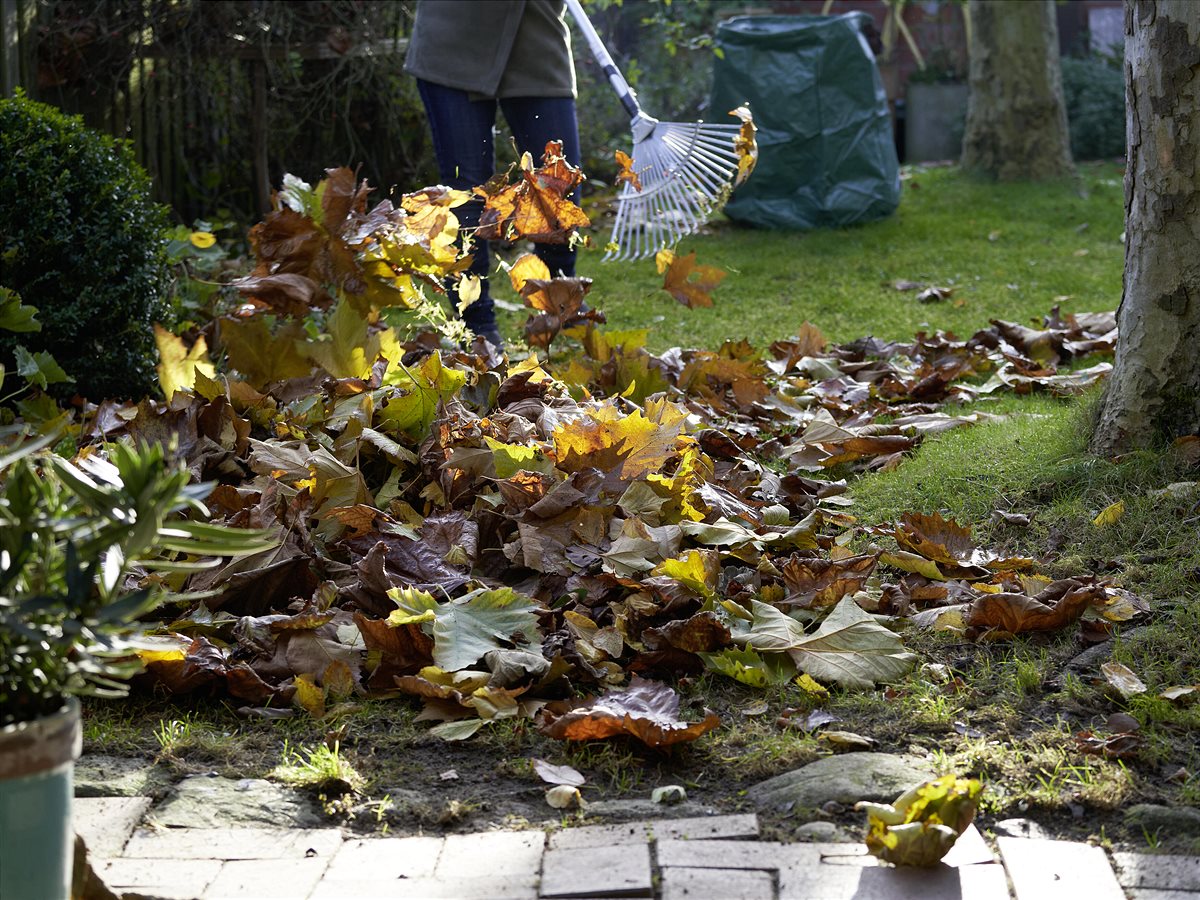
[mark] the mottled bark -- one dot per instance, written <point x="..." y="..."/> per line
<point x="1016" y="117"/>
<point x="1154" y="392"/>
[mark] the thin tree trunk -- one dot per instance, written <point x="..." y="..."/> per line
<point x="1016" y="117"/>
<point x="1154" y="391"/>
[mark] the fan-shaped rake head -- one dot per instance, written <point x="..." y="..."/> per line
<point x="686" y="171"/>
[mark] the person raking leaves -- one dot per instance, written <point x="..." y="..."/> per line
<point x="470" y="57"/>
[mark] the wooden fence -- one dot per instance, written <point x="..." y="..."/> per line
<point x="200" y="126"/>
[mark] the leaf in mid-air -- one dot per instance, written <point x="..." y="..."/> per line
<point x="745" y="144"/>
<point x="678" y="281"/>
<point x="626" y="174"/>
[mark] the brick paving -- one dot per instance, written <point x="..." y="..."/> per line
<point x="682" y="859"/>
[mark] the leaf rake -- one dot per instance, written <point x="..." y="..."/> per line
<point x="686" y="169"/>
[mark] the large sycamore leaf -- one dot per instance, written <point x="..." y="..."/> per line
<point x="622" y="446"/>
<point x="648" y="710"/>
<point x="1055" y="607"/>
<point x="177" y="365"/>
<point x="411" y="405"/>
<point x="536" y="207"/>
<point x="852" y="649"/>
<point x="467" y="628"/>
<point x="260" y="355"/>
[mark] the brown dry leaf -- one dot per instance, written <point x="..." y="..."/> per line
<point x="647" y="710"/>
<point x="942" y="540"/>
<point x="536" y="206"/>
<point x="1115" y="746"/>
<point x="626" y="173"/>
<point x="678" y="271"/>
<point x="813" y="582"/>
<point x="745" y="144"/>
<point x="1060" y="604"/>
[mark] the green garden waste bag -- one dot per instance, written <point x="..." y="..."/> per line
<point x="827" y="156"/>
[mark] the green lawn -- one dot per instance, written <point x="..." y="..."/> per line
<point x="1009" y="251"/>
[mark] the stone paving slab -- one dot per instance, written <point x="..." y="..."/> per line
<point x="619" y="871"/>
<point x="385" y="859"/>
<point x="266" y="879"/>
<point x="105" y="823"/>
<point x="728" y="884"/>
<point x="824" y="882"/>
<point x="735" y="854"/>
<point x="1147" y="870"/>
<point x="510" y="888"/>
<point x="233" y="843"/>
<point x="493" y="854"/>
<point x="169" y="879"/>
<point x="696" y="828"/>
<point x="1039" y="869"/>
<point x="969" y="850"/>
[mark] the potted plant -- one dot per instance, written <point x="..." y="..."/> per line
<point x="76" y="540"/>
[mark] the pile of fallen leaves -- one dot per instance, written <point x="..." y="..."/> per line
<point x="557" y="541"/>
<point x="498" y="539"/>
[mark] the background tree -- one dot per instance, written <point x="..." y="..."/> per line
<point x="1016" y="118"/>
<point x="1154" y="391"/>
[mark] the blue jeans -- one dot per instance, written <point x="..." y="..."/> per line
<point x="462" y="143"/>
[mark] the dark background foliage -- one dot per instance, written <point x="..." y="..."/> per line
<point x="81" y="240"/>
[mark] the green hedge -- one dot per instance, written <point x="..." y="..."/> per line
<point x="1094" y="90"/>
<point x="81" y="240"/>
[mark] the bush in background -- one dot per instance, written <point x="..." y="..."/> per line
<point x="1094" y="90"/>
<point x="81" y="240"/>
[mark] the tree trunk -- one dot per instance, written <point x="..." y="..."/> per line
<point x="1154" y="392"/>
<point x="1016" y="117"/>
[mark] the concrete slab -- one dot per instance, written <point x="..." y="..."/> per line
<point x="169" y="879"/>
<point x="1039" y="869"/>
<point x="494" y="854"/>
<point x="266" y="879"/>
<point x="735" y="854"/>
<point x="233" y="843"/>
<point x="941" y="882"/>
<point x="1159" y="894"/>
<point x="619" y="871"/>
<point x="1147" y="870"/>
<point x="105" y="823"/>
<point x="508" y="888"/>
<point x="728" y="884"/>
<point x="694" y="828"/>
<point x="385" y="859"/>
<point x="969" y="850"/>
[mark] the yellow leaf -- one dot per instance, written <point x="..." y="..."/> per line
<point x="202" y="239"/>
<point x="1110" y="515"/>
<point x="809" y="684"/>
<point x="470" y="287"/>
<point x="178" y="365"/>
<point x="309" y="696"/>
<point x="528" y="266"/>
<point x="260" y="355"/>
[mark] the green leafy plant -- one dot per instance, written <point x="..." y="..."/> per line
<point x="85" y="242"/>
<point x="39" y="370"/>
<point x="75" y="540"/>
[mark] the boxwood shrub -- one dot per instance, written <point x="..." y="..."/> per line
<point x="81" y="240"/>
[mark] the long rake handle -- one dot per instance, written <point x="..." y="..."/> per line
<point x="615" y="78"/>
